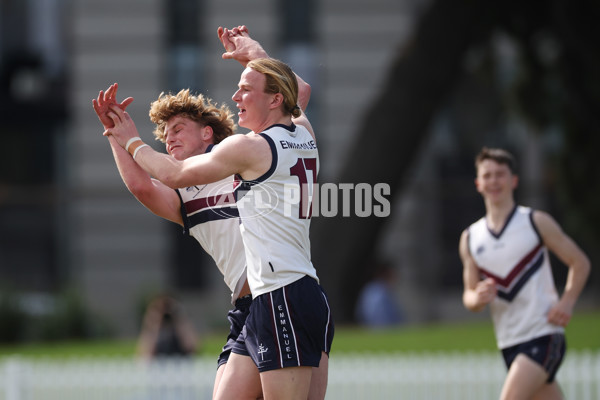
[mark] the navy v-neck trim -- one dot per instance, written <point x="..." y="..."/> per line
<point x="497" y="235"/>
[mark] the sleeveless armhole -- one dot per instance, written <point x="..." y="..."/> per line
<point x="468" y="230"/>
<point x="535" y="229"/>
<point x="274" y="158"/>
<point x="182" y="211"/>
<point x="244" y="185"/>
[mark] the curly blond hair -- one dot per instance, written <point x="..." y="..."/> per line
<point x="195" y="107"/>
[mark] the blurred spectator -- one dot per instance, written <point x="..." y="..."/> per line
<point x="377" y="305"/>
<point x="166" y="331"/>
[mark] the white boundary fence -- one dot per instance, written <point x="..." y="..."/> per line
<point x="360" y="376"/>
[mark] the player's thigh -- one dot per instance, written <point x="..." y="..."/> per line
<point x="288" y="383"/>
<point x="240" y="379"/>
<point x="525" y="377"/>
<point x="550" y="391"/>
<point x="218" y="377"/>
<point x="318" y="381"/>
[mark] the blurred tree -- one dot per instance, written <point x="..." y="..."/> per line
<point x="558" y="87"/>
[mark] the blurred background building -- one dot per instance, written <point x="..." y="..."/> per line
<point x="404" y="92"/>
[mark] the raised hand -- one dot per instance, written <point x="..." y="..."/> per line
<point x="104" y="101"/>
<point x="224" y="38"/>
<point x="239" y="45"/>
<point x="123" y="127"/>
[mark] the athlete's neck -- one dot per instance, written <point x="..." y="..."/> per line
<point x="496" y="214"/>
<point x="280" y="120"/>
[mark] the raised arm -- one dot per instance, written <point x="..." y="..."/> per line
<point x="158" y="198"/>
<point x="573" y="257"/>
<point x="241" y="47"/>
<point x="237" y="154"/>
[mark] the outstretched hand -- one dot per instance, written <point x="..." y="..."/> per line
<point x="224" y="37"/>
<point x="239" y="45"/>
<point x="123" y="127"/>
<point x="104" y="101"/>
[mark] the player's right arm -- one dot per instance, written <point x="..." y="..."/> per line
<point x="155" y="196"/>
<point x="477" y="293"/>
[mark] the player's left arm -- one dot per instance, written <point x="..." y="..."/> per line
<point x="567" y="251"/>
<point x="303" y="120"/>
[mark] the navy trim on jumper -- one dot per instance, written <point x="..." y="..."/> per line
<point x="510" y="295"/>
<point x="510" y="216"/>
<point x="213" y="214"/>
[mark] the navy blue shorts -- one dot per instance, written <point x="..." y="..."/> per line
<point x="237" y="320"/>
<point x="288" y="327"/>
<point x="548" y="351"/>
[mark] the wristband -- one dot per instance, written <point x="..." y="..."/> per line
<point x="133" y="139"/>
<point x="134" y="146"/>
<point x="138" y="149"/>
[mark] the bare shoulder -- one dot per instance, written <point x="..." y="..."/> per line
<point x="241" y="144"/>
<point x="559" y="242"/>
<point x="235" y="139"/>
<point x="550" y="231"/>
<point x="250" y="152"/>
<point x="464" y="237"/>
<point x="463" y="244"/>
<point x="303" y="121"/>
<point x="544" y="222"/>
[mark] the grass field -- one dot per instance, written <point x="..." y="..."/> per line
<point x="582" y="333"/>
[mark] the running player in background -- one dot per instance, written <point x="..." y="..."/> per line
<point x="506" y="265"/>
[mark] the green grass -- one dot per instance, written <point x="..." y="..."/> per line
<point x="427" y="337"/>
<point x="582" y="333"/>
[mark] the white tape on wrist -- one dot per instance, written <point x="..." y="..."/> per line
<point x="133" y="139"/>
<point x="138" y="149"/>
